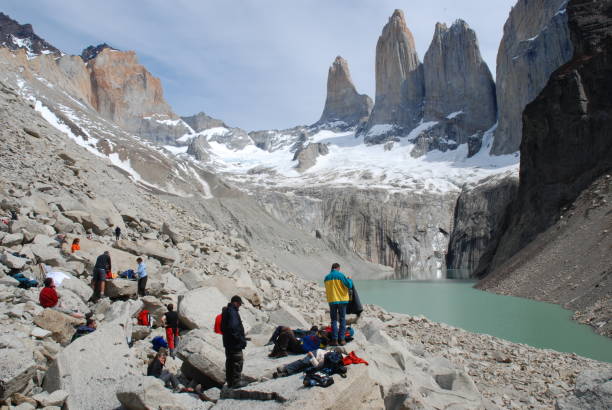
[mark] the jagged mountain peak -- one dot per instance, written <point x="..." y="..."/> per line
<point x="92" y="52"/>
<point x="21" y="36"/>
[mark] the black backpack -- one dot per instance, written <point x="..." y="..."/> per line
<point x="333" y="364"/>
<point x="317" y="379"/>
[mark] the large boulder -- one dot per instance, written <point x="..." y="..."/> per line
<point x="17" y="367"/>
<point x="199" y="307"/>
<point x="77" y="286"/>
<point x="57" y="398"/>
<point x="593" y="391"/>
<point x="155" y="307"/>
<point x="150" y="393"/>
<point x="94" y="367"/>
<point x="90" y="250"/>
<point x="12" y="261"/>
<point x="152" y="248"/>
<point x="230" y="287"/>
<point x="46" y="254"/>
<point x="71" y="301"/>
<point x="285" y="315"/>
<point x="172" y="232"/>
<point x="12" y="239"/>
<point x="121" y="288"/>
<point x="30" y="226"/>
<point x="89" y="221"/>
<point x="59" y="324"/>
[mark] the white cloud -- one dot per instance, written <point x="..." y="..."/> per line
<point x="253" y="63"/>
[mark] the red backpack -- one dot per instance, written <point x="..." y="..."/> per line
<point x="144" y="318"/>
<point x="218" y="324"/>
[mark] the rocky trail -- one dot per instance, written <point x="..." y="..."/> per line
<point x="57" y="187"/>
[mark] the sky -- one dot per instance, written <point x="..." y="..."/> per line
<point x="256" y="64"/>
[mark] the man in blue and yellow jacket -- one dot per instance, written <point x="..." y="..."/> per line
<point x="337" y="288"/>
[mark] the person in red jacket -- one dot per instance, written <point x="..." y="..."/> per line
<point x="48" y="297"/>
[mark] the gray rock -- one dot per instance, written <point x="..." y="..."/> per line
<point x="12" y="261"/>
<point x="149" y="392"/>
<point x="199" y="307"/>
<point x="343" y="103"/>
<point x="152" y="248"/>
<point x="140" y="332"/>
<point x="57" y="398"/>
<point x="17" y="367"/>
<point x="172" y="233"/>
<point x="59" y="324"/>
<point x="307" y="156"/>
<point x="77" y="286"/>
<point x="8" y="281"/>
<point x="121" y="288"/>
<point x="82" y="371"/>
<point x="593" y="391"/>
<point x="31" y="226"/>
<point x="459" y="87"/>
<point x="536" y="42"/>
<point x="285" y="315"/>
<point x="399" y="80"/>
<point x="47" y="255"/>
<point x="12" y="239"/>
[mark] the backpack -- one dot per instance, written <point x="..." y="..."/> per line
<point x="159" y="342"/>
<point x="333" y="364"/>
<point x="217" y="325"/>
<point x="317" y="379"/>
<point x="144" y="318"/>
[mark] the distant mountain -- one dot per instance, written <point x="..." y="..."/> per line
<point x="15" y="36"/>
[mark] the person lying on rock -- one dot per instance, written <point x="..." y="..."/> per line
<point x="156" y="369"/>
<point x="314" y="359"/>
<point x="48" y="298"/>
<point x="337" y="287"/>
<point x="85" y="329"/>
<point x="286" y="343"/>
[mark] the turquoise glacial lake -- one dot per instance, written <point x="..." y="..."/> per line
<point x="457" y="303"/>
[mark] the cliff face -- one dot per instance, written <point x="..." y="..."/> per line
<point x="127" y="94"/>
<point x="536" y="42"/>
<point x="478" y="222"/>
<point x="399" y="78"/>
<point x="458" y="82"/>
<point x="343" y="102"/>
<point x="566" y="146"/>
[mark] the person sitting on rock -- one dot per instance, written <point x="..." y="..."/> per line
<point x="171" y="321"/>
<point x="141" y="272"/>
<point x="156" y="369"/>
<point x="85" y="329"/>
<point x="76" y="245"/>
<point x="337" y="287"/>
<point x="48" y="296"/>
<point x="286" y="343"/>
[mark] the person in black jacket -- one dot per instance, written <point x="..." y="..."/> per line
<point x="234" y="342"/>
<point x="156" y="369"/>
<point x="102" y="266"/>
<point x="117" y="233"/>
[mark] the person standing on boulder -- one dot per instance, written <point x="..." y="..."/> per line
<point x="117" y="233"/>
<point x="234" y="342"/>
<point x="103" y="265"/>
<point x="337" y="287"/>
<point x="171" y="320"/>
<point x="141" y="271"/>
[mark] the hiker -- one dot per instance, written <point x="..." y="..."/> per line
<point x="89" y="327"/>
<point x="234" y="342"/>
<point x="156" y="369"/>
<point x="337" y="288"/>
<point x="48" y="296"/>
<point x="286" y="343"/>
<point x="314" y="359"/>
<point x="171" y="321"/>
<point x="76" y="245"/>
<point x="13" y="215"/>
<point x="102" y="266"/>
<point x="117" y="233"/>
<point x="141" y="272"/>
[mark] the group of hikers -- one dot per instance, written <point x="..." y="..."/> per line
<point x="102" y="272"/>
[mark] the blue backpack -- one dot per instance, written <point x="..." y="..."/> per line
<point x="159" y="342"/>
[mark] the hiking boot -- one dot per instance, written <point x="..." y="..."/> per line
<point x="334" y="342"/>
<point x="342" y="342"/>
<point x="239" y="385"/>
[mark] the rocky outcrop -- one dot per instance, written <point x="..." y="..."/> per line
<point x="399" y="80"/>
<point x="564" y="192"/>
<point x="307" y="156"/>
<point x="478" y="223"/>
<point x="21" y="36"/>
<point x="459" y="88"/>
<point x="343" y="103"/>
<point x="536" y="42"/>
<point x="127" y="94"/>
<point x="201" y="121"/>
<point x="92" y="52"/>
